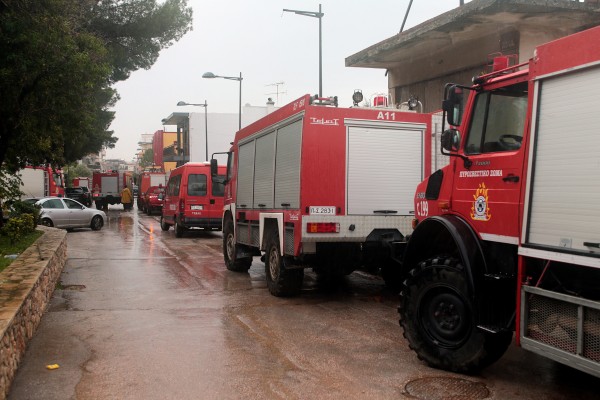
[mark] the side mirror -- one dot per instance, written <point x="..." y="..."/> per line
<point x="450" y="140"/>
<point x="214" y="170"/>
<point x="453" y="105"/>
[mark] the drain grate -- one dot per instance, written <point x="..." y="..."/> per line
<point x="446" y="388"/>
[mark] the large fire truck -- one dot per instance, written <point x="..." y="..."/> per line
<point x="41" y="181"/>
<point x="314" y="185"/>
<point x="107" y="186"/>
<point x="508" y="234"/>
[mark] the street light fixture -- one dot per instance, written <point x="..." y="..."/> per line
<point x="205" y="105"/>
<point x="320" y="16"/>
<point x="210" y="75"/>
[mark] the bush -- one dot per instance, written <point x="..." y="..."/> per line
<point x="17" y="227"/>
<point x="20" y="208"/>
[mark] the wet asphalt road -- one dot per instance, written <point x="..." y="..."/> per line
<point x="141" y="314"/>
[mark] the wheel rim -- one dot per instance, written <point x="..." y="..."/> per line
<point x="47" y="222"/>
<point x="230" y="246"/>
<point x="444" y="317"/>
<point x="97" y="222"/>
<point x="273" y="264"/>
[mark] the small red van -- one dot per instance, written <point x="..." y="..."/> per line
<point x="192" y="199"/>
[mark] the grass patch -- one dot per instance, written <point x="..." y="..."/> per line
<point x="7" y="248"/>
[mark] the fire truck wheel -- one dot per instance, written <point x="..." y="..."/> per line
<point x="47" y="222"/>
<point x="163" y="225"/>
<point x="179" y="230"/>
<point x="436" y="313"/>
<point x="281" y="281"/>
<point x="97" y="223"/>
<point x="230" y="250"/>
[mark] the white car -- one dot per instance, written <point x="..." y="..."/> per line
<point x="67" y="213"/>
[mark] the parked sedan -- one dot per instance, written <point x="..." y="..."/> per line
<point x="68" y="213"/>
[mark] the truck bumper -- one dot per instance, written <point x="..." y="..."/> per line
<point x="203" y="223"/>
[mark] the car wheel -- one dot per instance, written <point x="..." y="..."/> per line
<point x="47" y="222"/>
<point x="178" y="229"/>
<point x="436" y="312"/>
<point x="230" y="250"/>
<point x="163" y="225"/>
<point x="97" y="223"/>
<point x="282" y="281"/>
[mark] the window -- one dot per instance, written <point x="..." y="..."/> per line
<point x="498" y="120"/>
<point x="73" y="205"/>
<point x="196" y="185"/>
<point x="218" y="189"/>
<point x="53" y="203"/>
<point x="173" y="186"/>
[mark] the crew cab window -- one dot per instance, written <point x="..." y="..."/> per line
<point x="498" y="120"/>
<point x="196" y="185"/>
<point x="218" y="189"/>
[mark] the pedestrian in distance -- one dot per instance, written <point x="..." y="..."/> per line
<point x="126" y="198"/>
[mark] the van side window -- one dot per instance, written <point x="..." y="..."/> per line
<point x="218" y="189"/>
<point x="173" y="186"/>
<point x="196" y="185"/>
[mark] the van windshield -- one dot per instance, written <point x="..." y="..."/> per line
<point x="196" y="185"/>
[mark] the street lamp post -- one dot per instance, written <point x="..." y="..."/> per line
<point x="205" y="105"/>
<point x="320" y="16"/>
<point x="210" y="75"/>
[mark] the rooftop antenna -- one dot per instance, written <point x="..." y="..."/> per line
<point x="277" y="92"/>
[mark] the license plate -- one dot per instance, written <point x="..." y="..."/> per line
<point x="321" y="210"/>
<point x="196" y="207"/>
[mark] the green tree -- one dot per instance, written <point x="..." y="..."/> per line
<point x="147" y="159"/>
<point x="75" y="170"/>
<point x="59" y="60"/>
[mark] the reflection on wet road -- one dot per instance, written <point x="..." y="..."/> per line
<point x="141" y="314"/>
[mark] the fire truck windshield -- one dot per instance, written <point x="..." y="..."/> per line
<point x="497" y="121"/>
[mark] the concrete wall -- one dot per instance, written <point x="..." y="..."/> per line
<point x="26" y="287"/>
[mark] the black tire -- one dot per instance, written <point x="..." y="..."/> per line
<point x="230" y="250"/>
<point x="437" y="314"/>
<point x="47" y="222"/>
<point x="97" y="223"/>
<point x="163" y="225"/>
<point x="281" y="281"/>
<point x="179" y="230"/>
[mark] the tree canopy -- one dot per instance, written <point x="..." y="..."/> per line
<point x="60" y="60"/>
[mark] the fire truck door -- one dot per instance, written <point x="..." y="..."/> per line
<point x="487" y="187"/>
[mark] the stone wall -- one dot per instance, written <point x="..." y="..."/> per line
<point x="26" y="287"/>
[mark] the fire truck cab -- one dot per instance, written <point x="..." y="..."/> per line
<point x="518" y="206"/>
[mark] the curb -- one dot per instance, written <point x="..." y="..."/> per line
<point x="26" y="287"/>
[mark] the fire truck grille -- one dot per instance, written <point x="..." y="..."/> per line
<point x="566" y="323"/>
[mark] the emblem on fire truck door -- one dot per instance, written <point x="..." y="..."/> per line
<point x="480" y="210"/>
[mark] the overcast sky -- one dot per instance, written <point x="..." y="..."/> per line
<point x="267" y="46"/>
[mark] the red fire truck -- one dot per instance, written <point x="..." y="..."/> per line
<point x="317" y="186"/>
<point x="42" y="181"/>
<point x="508" y="233"/>
<point x="107" y="186"/>
<point x="146" y="179"/>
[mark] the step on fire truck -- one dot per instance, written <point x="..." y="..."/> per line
<point x="508" y="234"/>
<point x="314" y="185"/>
